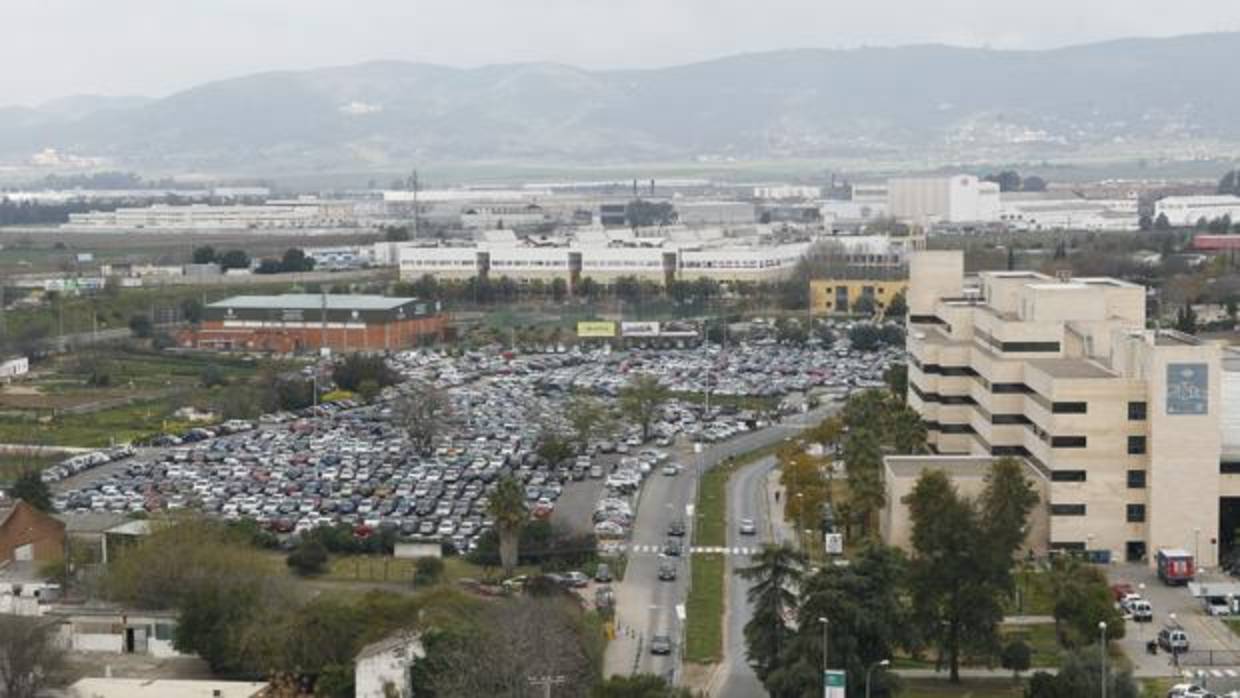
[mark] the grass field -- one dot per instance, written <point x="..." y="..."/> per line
<point x="12" y="465"/>
<point x="704" y="607"/>
<point x="1034" y="594"/>
<point x="1041" y="639"/>
<point x="971" y="688"/>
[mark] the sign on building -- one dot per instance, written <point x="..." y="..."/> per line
<point x="1188" y="389"/>
<point x="834" y="543"/>
<point x="834" y="684"/>
<point x="596" y="329"/>
<point x="639" y="329"/>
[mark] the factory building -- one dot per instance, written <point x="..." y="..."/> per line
<point x="292" y="323"/>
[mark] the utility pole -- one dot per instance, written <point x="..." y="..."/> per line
<point x="417" y="212"/>
<point x="546" y="682"/>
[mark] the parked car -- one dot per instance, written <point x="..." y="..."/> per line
<point x="602" y="573"/>
<point x="661" y="644"/>
<point x="748" y="528"/>
<point x="667" y="571"/>
<point x="1173" y="639"/>
<point x="676" y="528"/>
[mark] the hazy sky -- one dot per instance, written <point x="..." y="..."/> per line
<point x="155" y="47"/>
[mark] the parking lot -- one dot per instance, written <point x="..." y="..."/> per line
<point x="355" y="464"/>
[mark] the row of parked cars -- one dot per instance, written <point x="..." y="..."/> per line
<point x="82" y="462"/>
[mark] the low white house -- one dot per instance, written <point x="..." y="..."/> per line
<point x="14" y="367"/>
<point x="115" y="630"/>
<point x="383" y="668"/>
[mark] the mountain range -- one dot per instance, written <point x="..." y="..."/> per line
<point x="913" y="101"/>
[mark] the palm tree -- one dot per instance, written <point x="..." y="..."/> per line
<point x="906" y="430"/>
<point x="507" y="506"/>
<point x="776" y="575"/>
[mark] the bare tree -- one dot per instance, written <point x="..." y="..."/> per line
<point x="30" y="660"/>
<point x="423" y="411"/>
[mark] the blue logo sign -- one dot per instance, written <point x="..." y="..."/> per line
<point x="1188" y="389"/>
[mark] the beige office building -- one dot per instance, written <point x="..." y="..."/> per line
<point x="1126" y="423"/>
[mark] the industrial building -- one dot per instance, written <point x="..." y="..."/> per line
<point x="1132" y="427"/>
<point x="1030" y="211"/>
<point x="292" y="323"/>
<point x="954" y="199"/>
<point x="1189" y="210"/>
<point x="307" y="213"/>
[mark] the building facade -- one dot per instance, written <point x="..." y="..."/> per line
<point x="1189" y="210"/>
<point x="954" y="199"/>
<point x="29" y="535"/>
<point x="841" y="295"/>
<point x="1124" y="422"/>
<point x="292" y="323"/>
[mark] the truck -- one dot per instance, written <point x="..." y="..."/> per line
<point x="1175" y="567"/>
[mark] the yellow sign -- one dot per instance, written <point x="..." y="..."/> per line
<point x="596" y="329"/>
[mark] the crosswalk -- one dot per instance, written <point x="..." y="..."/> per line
<point x="1215" y="673"/>
<point x="640" y="549"/>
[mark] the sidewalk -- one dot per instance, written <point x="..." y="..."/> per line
<point x="781" y="530"/>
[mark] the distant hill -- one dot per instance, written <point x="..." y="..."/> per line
<point x="881" y="102"/>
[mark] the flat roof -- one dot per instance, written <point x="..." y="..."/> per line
<point x="1070" y="368"/>
<point x="163" y="688"/>
<point x="956" y="466"/>
<point x="314" y="301"/>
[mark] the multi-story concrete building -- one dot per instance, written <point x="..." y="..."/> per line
<point x="955" y="199"/>
<point x="1124" y="421"/>
<point x="842" y="295"/>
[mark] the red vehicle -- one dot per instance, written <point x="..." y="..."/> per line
<point x="1175" y="567"/>
<point x="1122" y="590"/>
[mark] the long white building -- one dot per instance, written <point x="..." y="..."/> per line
<point x="1188" y="210"/>
<point x="1043" y="211"/>
<point x="601" y="263"/>
<point x="300" y="214"/>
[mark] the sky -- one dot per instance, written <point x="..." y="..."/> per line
<point x="154" y="48"/>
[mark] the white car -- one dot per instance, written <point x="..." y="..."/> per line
<point x="748" y="528"/>
<point x="671" y="470"/>
<point x="1187" y="690"/>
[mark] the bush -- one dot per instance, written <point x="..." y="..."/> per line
<point x="1016" y="656"/>
<point x="427" y="570"/>
<point x="308" y="559"/>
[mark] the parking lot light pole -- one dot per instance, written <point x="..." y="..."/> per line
<point x="868" y="672"/>
<point x="825" y="626"/>
<point x="1197" y="547"/>
<point x="1102" y="629"/>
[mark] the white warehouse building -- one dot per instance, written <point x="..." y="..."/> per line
<point x="1188" y="210"/>
<point x="954" y="199"/>
<point x="1042" y="211"/>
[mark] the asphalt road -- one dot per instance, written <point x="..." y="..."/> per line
<point x="645" y="606"/>
<point x="747" y="499"/>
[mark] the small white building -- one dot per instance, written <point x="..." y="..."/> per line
<point x="383" y="668"/>
<point x="116" y="630"/>
<point x="954" y="199"/>
<point x="14" y="367"/>
<point x="164" y="688"/>
<point x="1188" y="210"/>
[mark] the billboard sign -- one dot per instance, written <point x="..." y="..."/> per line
<point x="1188" y="389"/>
<point x="834" y="684"/>
<point x="596" y="329"/>
<point x="639" y="329"/>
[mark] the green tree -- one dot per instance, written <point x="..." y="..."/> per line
<point x="31" y="660"/>
<point x="1082" y="600"/>
<point x="589" y="419"/>
<point x="864" y="337"/>
<point x="1162" y="222"/>
<point x="506" y="504"/>
<point x="553" y="448"/>
<point x="308" y="559"/>
<point x="423" y="411"/>
<point x="1008" y="180"/>
<point x="955" y="601"/>
<point x="354" y="369"/>
<point x="234" y="259"/>
<point x="896" y="378"/>
<point x="864" y="604"/>
<point x="775" y="571"/>
<point x="192" y="310"/>
<point x="1080" y="676"/>
<point x="1017" y="657"/>
<point x="897" y="308"/>
<point x="31" y="489"/>
<point x="203" y="255"/>
<point x="865" y="305"/>
<point x="427" y="570"/>
<point x="369" y="389"/>
<point x="141" y="326"/>
<point x="640" y="401"/>
<point x="1186" y="319"/>
<point x="863" y="461"/>
<point x="559" y="289"/>
<point x="1004" y="507"/>
<point x="905" y="429"/>
<point x="1033" y="183"/>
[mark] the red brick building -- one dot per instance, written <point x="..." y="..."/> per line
<point x="307" y="322"/>
<point x="27" y="534"/>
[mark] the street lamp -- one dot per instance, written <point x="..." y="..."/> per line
<point x="1197" y="547"/>
<point x="1102" y="629"/>
<point x="825" y="625"/>
<point x="875" y="665"/>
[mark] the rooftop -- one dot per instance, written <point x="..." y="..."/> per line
<point x="1070" y="368"/>
<point x="311" y="301"/>
<point x="955" y="466"/>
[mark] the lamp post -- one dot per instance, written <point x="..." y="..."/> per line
<point x="826" y="624"/>
<point x="1102" y="629"/>
<point x="875" y="665"/>
<point x="1175" y="655"/>
<point x="1141" y="591"/>
<point x="1197" y="547"/>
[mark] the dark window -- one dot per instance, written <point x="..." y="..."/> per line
<point x="1067" y="510"/>
<point x="955" y="428"/>
<point x="1031" y="346"/>
<point x="1009" y="451"/>
<point x="926" y="320"/>
<point x="1009" y="419"/>
<point x="1068" y="407"/>
<point x="957" y="371"/>
<point x="1136" y="445"/>
<point x="1068" y="476"/>
<point x="1136" y="513"/>
<point x="1067" y="442"/>
<point x="1003" y="388"/>
<point x="1229" y="467"/>
<point x="1136" y="411"/>
<point x="1136" y="479"/>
